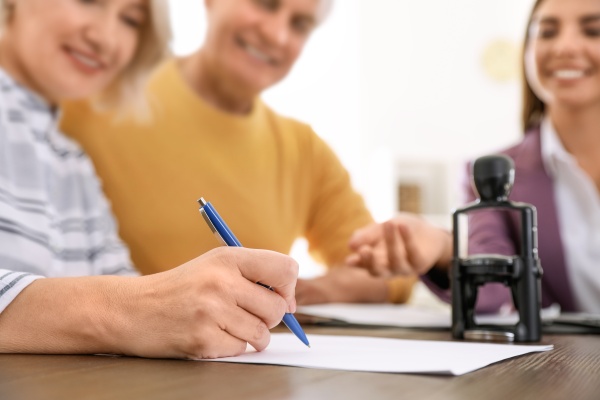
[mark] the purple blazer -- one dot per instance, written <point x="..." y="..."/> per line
<point x="496" y="232"/>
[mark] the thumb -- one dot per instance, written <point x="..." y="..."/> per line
<point x="414" y="254"/>
<point x="366" y="236"/>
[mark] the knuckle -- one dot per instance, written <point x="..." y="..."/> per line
<point x="263" y="341"/>
<point x="226" y="256"/>
<point x="241" y="348"/>
<point x="275" y="316"/>
<point x="260" y="332"/>
<point x="198" y="345"/>
<point x="292" y="267"/>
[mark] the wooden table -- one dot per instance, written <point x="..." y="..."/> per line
<point x="571" y="371"/>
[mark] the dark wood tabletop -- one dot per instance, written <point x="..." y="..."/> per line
<point x="571" y="371"/>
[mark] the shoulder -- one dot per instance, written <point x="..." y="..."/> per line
<point x="288" y="123"/>
<point x="527" y="154"/>
<point x="167" y="78"/>
<point x="529" y="143"/>
<point x="293" y="131"/>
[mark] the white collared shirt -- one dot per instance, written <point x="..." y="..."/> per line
<point x="578" y="209"/>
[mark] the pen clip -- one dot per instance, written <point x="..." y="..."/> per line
<point x="212" y="227"/>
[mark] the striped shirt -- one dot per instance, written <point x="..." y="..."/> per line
<point x="54" y="218"/>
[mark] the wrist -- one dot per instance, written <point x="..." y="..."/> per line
<point x="444" y="260"/>
<point x="113" y="311"/>
<point x="100" y="313"/>
<point x="377" y="291"/>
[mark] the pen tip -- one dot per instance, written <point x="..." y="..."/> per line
<point x="201" y="201"/>
<point x="308" y="346"/>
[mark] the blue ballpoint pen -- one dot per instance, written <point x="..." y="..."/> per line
<point x="224" y="234"/>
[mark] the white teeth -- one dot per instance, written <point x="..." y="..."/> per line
<point x="86" y="60"/>
<point x="258" y="54"/>
<point x="569" y="73"/>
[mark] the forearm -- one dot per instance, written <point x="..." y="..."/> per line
<point x="67" y="316"/>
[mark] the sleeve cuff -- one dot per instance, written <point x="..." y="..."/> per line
<point x="400" y="288"/>
<point x="10" y="288"/>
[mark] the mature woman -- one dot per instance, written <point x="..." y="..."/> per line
<point x="557" y="169"/>
<point x="56" y="223"/>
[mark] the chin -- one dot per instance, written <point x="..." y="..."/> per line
<point x="78" y="91"/>
<point x="255" y="83"/>
<point x="251" y="86"/>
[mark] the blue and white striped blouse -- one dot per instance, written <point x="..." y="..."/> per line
<point x="54" y="218"/>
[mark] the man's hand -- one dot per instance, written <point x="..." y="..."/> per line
<point x="342" y="285"/>
<point x="404" y="245"/>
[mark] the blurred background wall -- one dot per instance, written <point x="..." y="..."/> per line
<point x="406" y="92"/>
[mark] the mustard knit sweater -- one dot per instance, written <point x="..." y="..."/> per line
<point x="271" y="178"/>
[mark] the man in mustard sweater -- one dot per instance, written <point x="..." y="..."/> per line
<point x="271" y="178"/>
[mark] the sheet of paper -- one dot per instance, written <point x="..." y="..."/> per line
<point x="405" y="316"/>
<point x="381" y="315"/>
<point x="369" y="354"/>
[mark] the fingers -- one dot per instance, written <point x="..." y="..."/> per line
<point x="353" y="259"/>
<point x="221" y="344"/>
<point x="416" y="258"/>
<point x="395" y="249"/>
<point x="261" y="302"/>
<point x="367" y="236"/>
<point x="390" y="254"/>
<point x="270" y="268"/>
<point x="248" y="328"/>
<point x="311" y="291"/>
<point x="438" y="246"/>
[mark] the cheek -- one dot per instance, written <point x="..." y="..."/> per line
<point x="534" y="75"/>
<point x="128" y="48"/>
<point x="535" y="62"/>
<point x="293" y="53"/>
<point x="595" y="55"/>
<point x="540" y="55"/>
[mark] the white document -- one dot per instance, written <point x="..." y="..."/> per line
<point x="381" y="315"/>
<point x="370" y="354"/>
<point x="405" y="316"/>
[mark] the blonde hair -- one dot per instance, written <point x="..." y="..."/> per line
<point x="125" y="95"/>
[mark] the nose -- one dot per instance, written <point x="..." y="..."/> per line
<point x="568" y="42"/>
<point x="101" y="34"/>
<point x="275" y="30"/>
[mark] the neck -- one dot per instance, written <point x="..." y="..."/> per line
<point x="10" y="63"/>
<point x="579" y="132"/>
<point x="578" y="129"/>
<point x="211" y="86"/>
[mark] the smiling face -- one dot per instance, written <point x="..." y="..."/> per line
<point x="253" y="44"/>
<point x="70" y="49"/>
<point x="563" y="53"/>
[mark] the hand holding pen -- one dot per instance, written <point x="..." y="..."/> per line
<point x="226" y="236"/>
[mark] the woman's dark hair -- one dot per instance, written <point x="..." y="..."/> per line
<point x="533" y="107"/>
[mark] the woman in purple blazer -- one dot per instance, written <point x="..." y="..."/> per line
<point x="557" y="169"/>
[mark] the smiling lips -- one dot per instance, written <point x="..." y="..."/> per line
<point x="568" y="73"/>
<point x="256" y="53"/>
<point x="85" y="62"/>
